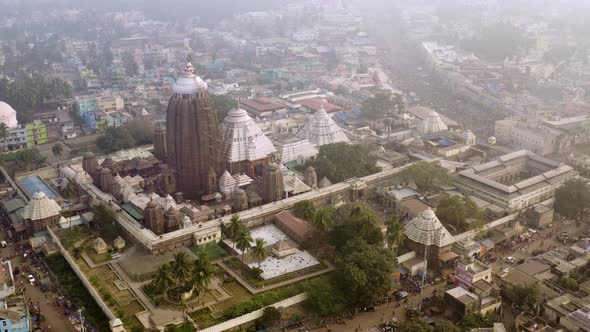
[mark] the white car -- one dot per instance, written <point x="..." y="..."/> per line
<point x="510" y="260"/>
<point x="32" y="279"/>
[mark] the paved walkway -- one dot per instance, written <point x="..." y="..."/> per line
<point x="253" y="290"/>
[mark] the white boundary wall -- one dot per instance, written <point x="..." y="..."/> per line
<point x="254" y="314"/>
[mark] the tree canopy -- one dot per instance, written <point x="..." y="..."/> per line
<point x="222" y="105"/>
<point x="364" y="271"/>
<point x="324" y="298"/>
<point x="382" y="104"/>
<point x="414" y="325"/>
<point x="572" y="198"/>
<point x="473" y="321"/>
<point x="446" y="326"/>
<point x="115" y="139"/>
<point x="427" y="176"/>
<point x="522" y="295"/>
<point x="341" y="161"/>
<point x="142" y="130"/>
<point x="355" y="220"/>
<point x="454" y="211"/>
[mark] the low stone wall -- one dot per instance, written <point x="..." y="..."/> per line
<point x="254" y="314"/>
<point x="82" y="277"/>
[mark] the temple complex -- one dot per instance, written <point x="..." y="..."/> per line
<point x="40" y="212"/>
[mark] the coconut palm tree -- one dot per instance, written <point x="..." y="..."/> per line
<point x="395" y="234"/>
<point x="259" y="251"/>
<point x="323" y="219"/>
<point x="181" y="266"/>
<point x="202" y="271"/>
<point x="4" y="133"/>
<point x="164" y="278"/>
<point x="243" y="241"/>
<point x="304" y="210"/>
<point x="234" y="227"/>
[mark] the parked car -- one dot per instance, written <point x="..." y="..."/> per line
<point x="400" y="295"/>
<point x="510" y="260"/>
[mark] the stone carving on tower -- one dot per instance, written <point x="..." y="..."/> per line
<point x="273" y="183"/>
<point x="160" y="142"/>
<point x="310" y="177"/>
<point x="193" y="136"/>
<point x="154" y="218"/>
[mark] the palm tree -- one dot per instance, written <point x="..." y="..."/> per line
<point x="259" y="251"/>
<point x="233" y="228"/>
<point x="164" y="278"/>
<point x="323" y="219"/>
<point x="57" y="150"/>
<point x="304" y="210"/>
<point x="395" y="234"/>
<point x="243" y="240"/>
<point x="181" y="266"/>
<point x="202" y="271"/>
<point x="4" y="133"/>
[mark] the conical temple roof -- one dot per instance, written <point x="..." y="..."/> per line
<point x="321" y="129"/>
<point x="428" y="230"/>
<point x="243" y="139"/>
<point x="41" y="207"/>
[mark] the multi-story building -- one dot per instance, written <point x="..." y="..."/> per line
<point x="14" y="315"/>
<point x="36" y="133"/>
<point x="515" y="181"/>
<point x="551" y="135"/>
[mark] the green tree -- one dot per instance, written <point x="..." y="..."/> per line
<point x="181" y="265"/>
<point x="379" y="106"/>
<point x="75" y="114"/>
<point x="4" y="134"/>
<point x="341" y="161"/>
<point x="414" y="325"/>
<point x="324" y="298"/>
<point x="572" y="198"/>
<point x="259" y="251"/>
<point x="323" y="219"/>
<point x="270" y="317"/>
<point x="524" y="296"/>
<point x="57" y="150"/>
<point x="427" y="176"/>
<point x="202" y="271"/>
<point x="395" y="234"/>
<point x="473" y="321"/>
<point x="104" y="220"/>
<point x="243" y="241"/>
<point x="222" y="104"/>
<point x="355" y="220"/>
<point x="365" y="271"/>
<point x="164" y="278"/>
<point x="142" y="131"/>
<point x="115" y="139"/>
<point x="305" y="210"/>
<point x="454" y="211"/>
<point x="446" y="326"/>
<point x="568" y="283"/>
<point x="233" y="228"/>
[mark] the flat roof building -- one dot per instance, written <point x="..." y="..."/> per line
<point x="516" y="180"/>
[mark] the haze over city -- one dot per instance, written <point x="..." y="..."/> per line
<point x="294" y="165"/>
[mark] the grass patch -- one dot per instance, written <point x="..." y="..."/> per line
<point x="204" y="318"/>
<point x="71" y="236"/>
<point x="98" y="258"/>
<point x="213" y="251"/>
<point x="77" y="292"/>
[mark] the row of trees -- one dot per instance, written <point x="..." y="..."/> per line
<point x="135" y="133"/>
<point x="382" y="104"/>
<point x="364" y="265"/>
<point x="467" y="323"/>
<point x="237" y="231"/>
<point x="29" y="92"/>
<point x="182" y="276"/>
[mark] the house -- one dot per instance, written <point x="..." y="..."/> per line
<point x="297" y="229"/>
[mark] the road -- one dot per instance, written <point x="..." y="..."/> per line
<point x="55" y="320"/>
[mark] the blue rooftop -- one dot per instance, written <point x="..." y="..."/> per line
<point x="33" y="184"/>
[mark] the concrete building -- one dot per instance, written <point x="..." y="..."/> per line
<point x="263" y="107"/>
<point x="515" y="181"/>
<point x="14" y="315"/>
<point x="36" y="133"/>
